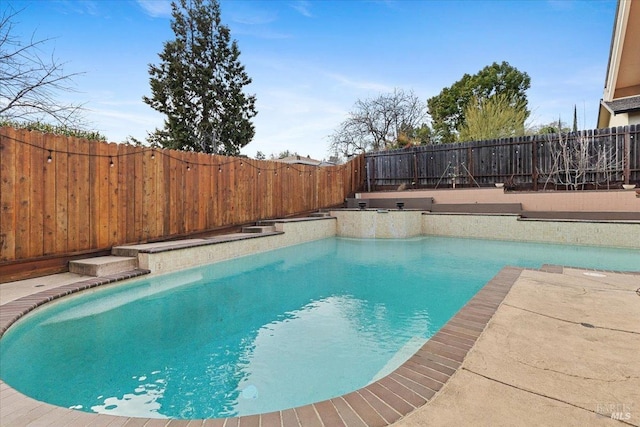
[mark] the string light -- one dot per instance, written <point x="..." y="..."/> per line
<point x="49" y="159"/>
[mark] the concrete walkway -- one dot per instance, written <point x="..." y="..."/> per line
<point x="562" y="350"/>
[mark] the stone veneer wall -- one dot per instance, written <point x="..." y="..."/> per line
<point x="614" y="234"/>
<point x="402" y="224"/>
<point x="294" y="233"/>
<point x="394" y="224"/>
<point x="380" y="224"/>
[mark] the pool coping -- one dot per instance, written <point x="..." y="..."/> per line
<point x="380" y="403"/>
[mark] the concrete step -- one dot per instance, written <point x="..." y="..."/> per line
<point x="103" y="266"/>
<point x="133" y="250"/>
<point x="320" y="214"/>
<point x="259" y="229"/>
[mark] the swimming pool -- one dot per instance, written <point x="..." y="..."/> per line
<point x="260" y="333"/>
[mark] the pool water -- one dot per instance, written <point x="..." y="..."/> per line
<point x="264" y="332"/>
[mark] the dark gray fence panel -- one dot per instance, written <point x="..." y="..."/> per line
<point x="587" y="159"/>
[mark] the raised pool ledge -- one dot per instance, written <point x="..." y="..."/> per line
<point x="179" y="255"/>
<point x="385" y="224"/>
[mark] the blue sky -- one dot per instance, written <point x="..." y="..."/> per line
<point x="310" y="61"/>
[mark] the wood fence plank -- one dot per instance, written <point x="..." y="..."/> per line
<point x="50" y="217"/>
<point x="23" y="192"/>
<point x="149" y="196"/>
<point x="74" y="189"/>
<point x="36" y="198"/>
<point x="8" y="161"/>
<point x="138" y="197"/>
<point x="49" y="196"/>
<point x="106" y="164"/>
<point x="161" y="192"/>
<point x="132" y="204"/>
<point x="94" y="162"/>
<point x="61" y="163"/>
<point x="84" y="187"/>
<point x="114" y="235"/>
<point x="202" y="189"/>
<point x="212" y="220"/>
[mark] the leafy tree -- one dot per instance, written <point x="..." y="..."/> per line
<point x="491" y="118"/>
<point x="282" y="155"/>
<point x="447" y="109"/>
<point x="378" y="123"/>
<point x="30" y="81"/>
<point x="260" y="156"/>
<point x="556" y="126"/>
<point x="199" y="84"/>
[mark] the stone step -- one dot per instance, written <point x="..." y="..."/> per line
<point x="133" y="250"/>
<point x="259" y="229"/>
<point x="103" y="266"/>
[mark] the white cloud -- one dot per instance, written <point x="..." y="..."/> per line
<point x="360" y="84"/>
<point x="303" y="7"/>
<point x="156" y="8"/>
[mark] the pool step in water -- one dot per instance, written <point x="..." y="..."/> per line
<point x="259" y="229"/>
<point x="103" y="266"/>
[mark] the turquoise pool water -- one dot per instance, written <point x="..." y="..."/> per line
<point x="264" y="332"/>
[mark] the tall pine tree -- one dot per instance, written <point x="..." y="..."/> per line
<point x="199" y="84"/>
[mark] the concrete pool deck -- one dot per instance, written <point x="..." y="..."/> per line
<point x="555" y="346"/>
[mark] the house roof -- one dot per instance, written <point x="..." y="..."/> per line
<point x="622" y="83"/>
<point x="301" y="160"/>
<point x="623" y="70"/>
<point x="623" y="105"/>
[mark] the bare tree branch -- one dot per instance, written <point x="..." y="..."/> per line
<point x="376" y="123"/>
<point x="30" y="83"/>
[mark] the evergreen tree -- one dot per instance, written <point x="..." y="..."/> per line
<point x="199" y="84"/>
<point x="575" y="119"/>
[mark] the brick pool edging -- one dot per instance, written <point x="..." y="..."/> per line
<point x="380" y="403"/>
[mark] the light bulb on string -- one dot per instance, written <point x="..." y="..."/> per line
<point x="49" y="158"/>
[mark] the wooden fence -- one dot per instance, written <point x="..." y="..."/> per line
<point x="61" y="195"/>
<point x="588" y="159"/>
